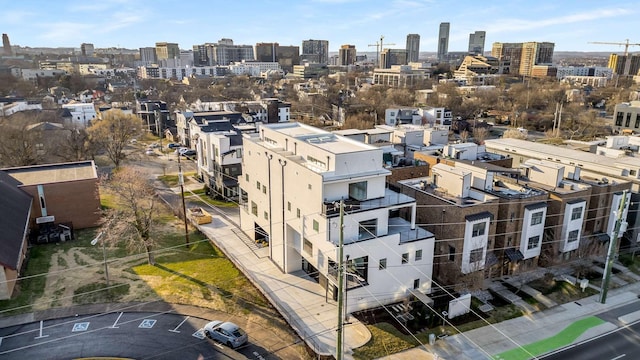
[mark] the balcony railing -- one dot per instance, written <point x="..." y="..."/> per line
<point x="390" y="198"/>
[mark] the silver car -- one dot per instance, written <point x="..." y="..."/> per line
<point x="227" y="333"/>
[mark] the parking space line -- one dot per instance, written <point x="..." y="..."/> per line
<point x="114" y="324"/>
<point x="41" y="336"/>
<point x="176" y="329"/>
<point x="147" y="323"/>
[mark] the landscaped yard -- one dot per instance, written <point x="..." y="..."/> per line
<point x="560" y="291"/>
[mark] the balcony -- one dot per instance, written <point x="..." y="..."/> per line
<point x="390" y="199"/>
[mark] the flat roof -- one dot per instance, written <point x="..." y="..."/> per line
<point x="322" y="139"/>
<point x="53" y="173"/>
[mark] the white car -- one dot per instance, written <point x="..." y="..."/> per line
<point x="227" y="333"/>
<point x="181" y="150"/>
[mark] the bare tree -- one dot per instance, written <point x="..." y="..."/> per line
<point x="113" y="132"/>
<point x="134" y="217"/>
<point x="75" y="145"/>
<point x="18" y="143"/>
<point x="464" y="136"/>
<point x="480" y="134"/>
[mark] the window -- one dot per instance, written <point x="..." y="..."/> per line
<point x="359" y="269"/>
<point x="307" y="246"/>
<point x="358" y="190"/>
<point x="416" y="283"/>
<point x="632" y="172"/>
<point x="478" y="229"/>
<point x="533" y="242"/>
<point x="367" y="229"/>
<point x="254" y="208"/>
<point x="266" y="215"/>
<point x="476" y="255"/>
<point x="576" y="213"/>
<point x="452" y="253"/>
<point x="316" y="226"/>
<point x="309" y="186"/>
<point x="536" y="218"/>
<point x="258" y="185"/>
<point x="298" y="213"/>
<point x="573" y="236"/>
<point x="619" y="117"/>
<point x="264" y="189"/>
<point x="418" y="255"/>
<point x="382" y="264"/>
<point x="627" y="122"/>
<point x="637" y="125"/>
<point x="288" y="205"/>
<point x="405" y="258"/>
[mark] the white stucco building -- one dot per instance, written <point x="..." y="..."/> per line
<point x="294" y="177"/>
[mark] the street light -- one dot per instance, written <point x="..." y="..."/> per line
<point x="104" y="256"/>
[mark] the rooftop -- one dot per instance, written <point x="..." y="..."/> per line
<point x="53" y="173"/>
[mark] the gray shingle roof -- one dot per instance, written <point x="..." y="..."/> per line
<point x="15" y="206"/>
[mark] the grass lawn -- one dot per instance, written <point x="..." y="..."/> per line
<point x="563" y="338"/>
<point x="172" y="180"/>
<point x="387" y="340"/>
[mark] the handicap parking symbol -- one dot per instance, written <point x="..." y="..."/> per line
<point x="147" y="323"/>
<point x="83" y="326"/>
<point x="199" y="334"/>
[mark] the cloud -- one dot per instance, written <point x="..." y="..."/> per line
<point x="16" y="16"/>
<point x="510" y="25"/>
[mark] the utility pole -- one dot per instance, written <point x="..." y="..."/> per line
<point x="339" y="346"/>
<point x="184" y="207"/>
<point x="606" y="277"/>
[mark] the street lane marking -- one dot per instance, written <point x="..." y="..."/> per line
<point x="41" y="336"/>
<point x="114" y="324"/>
<point x="147" y="323"/>
<point x="618" y="357"/>
<point x="176" y="329"/>
<point x="83" y="326"/>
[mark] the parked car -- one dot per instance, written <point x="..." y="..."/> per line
<point x="227" y="333"/>
<point x="154" y="145"/>
<point x="173" y="145"/>
<point x="189" y="152"/>
<point x="180" y="150"/>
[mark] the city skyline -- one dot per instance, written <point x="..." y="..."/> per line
<point x="131" y="24"/>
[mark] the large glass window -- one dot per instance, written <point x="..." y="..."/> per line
<point x="619" y="117"/>
<point x="367" y="229"/>
<point x="576" y="213"/>
<point x="358" y="191"/>
<point x="573" y="236"/>
<point x="478" y="229"/>
<point x="476" y="255"/>
<point x="533" y="242"/>
<point x="360" y="268"/>
<point x="536" y="218"/>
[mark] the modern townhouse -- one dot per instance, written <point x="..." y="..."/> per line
<point x="219" y="161"/>
<point x="463" y="220"/>
<point x="187" y="123"/>
<point x="605" y="165"/>
<point x="294" y="178"/>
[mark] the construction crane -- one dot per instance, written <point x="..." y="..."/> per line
<point x="379" y="45"/>
<point x="626" y="45"/>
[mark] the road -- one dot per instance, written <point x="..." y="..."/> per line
<point x="621" y="343"/>
<point x="118" y="334"/>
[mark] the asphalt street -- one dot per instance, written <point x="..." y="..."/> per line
<point x="119" y="334"/>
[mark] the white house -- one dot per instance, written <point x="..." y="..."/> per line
<point x="81" y="113"/>
<point x="294" y="177"/>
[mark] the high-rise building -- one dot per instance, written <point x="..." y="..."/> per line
<point x="6" y="45"/>
<point x="443" y="41"/>
<point x="520" y="58"/>
<point x="223" y="53"/>
<point x="165" y="50"/>
<point x="86" y="49"/>
<point x="390" y="57"/>
<point x="413" y="47"/>
<point x="286" y="56"/>
<point x="148" y="55"/>
<point x="476" y="42"/>
<point x="624" y="65"/>
<point x="347" y="55"/>
<point x="315" y="51"/>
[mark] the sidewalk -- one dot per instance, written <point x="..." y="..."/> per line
<point x="298" y="297"/>
<point x="488" y="341"/>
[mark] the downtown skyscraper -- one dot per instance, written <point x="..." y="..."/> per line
<point x="443" y="41"/>
<point x="413" y="47"/>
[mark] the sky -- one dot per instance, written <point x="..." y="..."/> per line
<point x="570" y="24"/>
